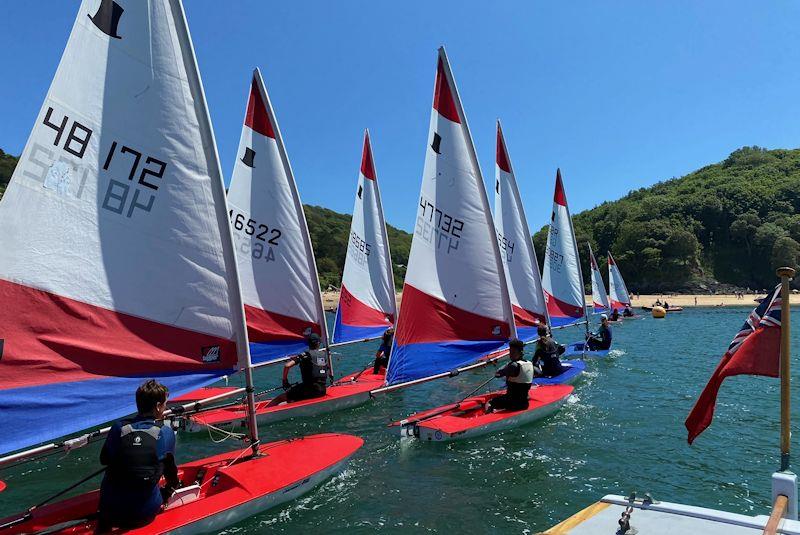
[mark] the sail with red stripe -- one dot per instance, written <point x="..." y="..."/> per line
<point x="561" y="277"/>
<point x="516" y="248"/>
<point x="116" y="262"/>
<point x="280" y="286"/>
<point x="367" y="305"/>
<point x="599" y="296"/>
<point x="618" y="292"/>
<point x="455" y="307"/>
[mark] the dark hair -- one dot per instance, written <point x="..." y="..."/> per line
<point x="388" y="334"/>
<point x="314" y="341"/>
<point x="150" y="394"/>
<point x="542" y="330"/>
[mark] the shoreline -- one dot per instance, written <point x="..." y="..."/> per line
<point x="331" y="298"/>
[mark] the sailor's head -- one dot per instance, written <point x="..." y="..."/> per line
<point x="541" y="330"/>
<point x="151" y="398"/>
<point x="515" y="348"/>
<point x="603" y="318"/>
<point x="313" y="340"/>
<point x="388" y="334"/>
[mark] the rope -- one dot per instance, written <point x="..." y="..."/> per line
<point x="224" y="432"/>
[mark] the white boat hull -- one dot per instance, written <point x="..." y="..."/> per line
<point x="220" y="521"/>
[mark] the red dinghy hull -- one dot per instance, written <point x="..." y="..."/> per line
<point x="228" y="492"/>
<point x="468" y="418"/>
<point x="345" y="394"/>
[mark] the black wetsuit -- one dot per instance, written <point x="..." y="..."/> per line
<point x="602" y="340"/>
<point x="314" y="371"/>
<point x="516" y="396"/>
<point x="382" y="361"/>
<point x="547" y="352"/>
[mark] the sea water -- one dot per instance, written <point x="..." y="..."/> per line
<point x="621" y="431"/>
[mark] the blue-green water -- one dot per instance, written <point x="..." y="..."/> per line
<point x="621" y="431"/>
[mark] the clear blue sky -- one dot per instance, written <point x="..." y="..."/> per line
<point x="619" y="94"/>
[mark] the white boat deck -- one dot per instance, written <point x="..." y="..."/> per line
<point x="663" y="518"/>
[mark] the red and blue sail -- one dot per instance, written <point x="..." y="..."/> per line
<point x="455" y="308"/>
<point x="562" y="281"/>
<point x="367" y="305"/>
<point x="516" y="248"/>
<point x="116" y="263"/>
<point x="599" y="295"/>
<point x="280" y="286"/>
<point x="618" y="292"/>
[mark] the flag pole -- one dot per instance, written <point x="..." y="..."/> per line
<point x="784" y="482"/>
<point x="786" y="274"/>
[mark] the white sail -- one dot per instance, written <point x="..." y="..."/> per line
<point x="618" y="292"/>
<point x="367" y="304"/>
<point x="455" y="307"/>
<point x="516" y="248"/>
<point x="561" y="275"/>
<point x="115" y="256"/>
<point x="280" y="286"/>
<point x="599" y="296"/>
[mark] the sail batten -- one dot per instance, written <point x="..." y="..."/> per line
<point x="516" y="248"/>
<point x="115" y="261"/>
<point x="280" y="286"/>
<point x="599" y="295"/>
<point x="455" y="308"/>
<point x="367" y="305"/>
<point x="561" y="275"/>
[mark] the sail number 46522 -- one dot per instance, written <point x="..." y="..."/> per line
<point x="251" y="227"/>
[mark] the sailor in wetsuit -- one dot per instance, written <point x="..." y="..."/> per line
<point x="615" y="315"/>
<point x="137" y="453"/>
<point x="383" y="353"/>
<point x="546" y="356"/>
<point x="313" y="371"/>
<point x="518" y="374"/>
<point x="628" y="313"/>
<point x="601" y="339"/>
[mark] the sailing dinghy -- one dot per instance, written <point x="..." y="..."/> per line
<point x="456" y="310"/>
<point x="562" y="280"/>
<point x="516" y="248"/>
<point x="519" y="260"/>
<point x="600" y="302"/>
<point x="367" y="304"/>
<point x="117" y="264"/>
<point x="280" y="285"/>
<point x="618" y="292"/>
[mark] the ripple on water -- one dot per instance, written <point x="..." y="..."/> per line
<point x="621" y="430"/>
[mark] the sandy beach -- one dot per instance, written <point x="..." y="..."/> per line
<point x="330" y="299"/>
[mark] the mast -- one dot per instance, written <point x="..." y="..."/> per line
<point x="210" y="149"/>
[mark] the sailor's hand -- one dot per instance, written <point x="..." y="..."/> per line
<point x="497" y="375"/>
<point x="286" y="384"/>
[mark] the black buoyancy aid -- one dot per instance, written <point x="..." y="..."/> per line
<point x="136" y="463"/>
<point x="314" y="367"/>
